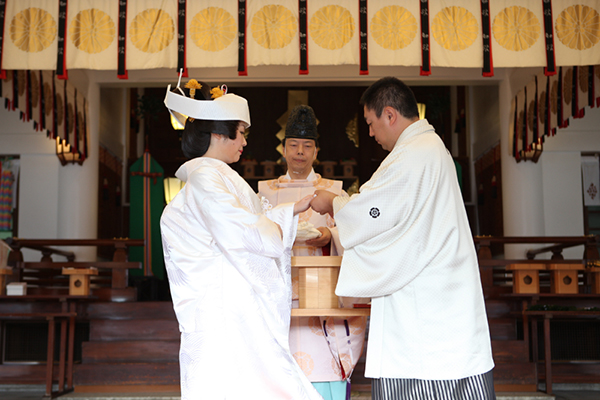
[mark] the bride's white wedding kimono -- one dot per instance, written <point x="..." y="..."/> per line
<point x="229" y="274"/>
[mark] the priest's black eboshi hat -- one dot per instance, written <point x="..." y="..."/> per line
<point x="302" y="124"/>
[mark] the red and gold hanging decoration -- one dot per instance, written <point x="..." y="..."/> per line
<point x="54" y="105"/>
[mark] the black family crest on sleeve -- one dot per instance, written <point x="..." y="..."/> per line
<point x="374" y="212"/>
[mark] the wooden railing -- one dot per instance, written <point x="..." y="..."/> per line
<point x="47" y="272"/>
<point x="494" y="276"/>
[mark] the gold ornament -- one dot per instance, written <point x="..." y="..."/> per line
<point x="193" y="84"/>
<point x="352" y="130"/>
<point x="216" y="92"/>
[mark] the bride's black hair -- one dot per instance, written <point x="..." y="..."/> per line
<point x="195" y="139"/>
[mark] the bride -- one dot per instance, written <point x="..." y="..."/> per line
<point x="227" y="255"/>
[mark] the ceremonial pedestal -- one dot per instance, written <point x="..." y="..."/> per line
<point x="526" y="277"/>
<point x="563" y="278"/>
<point x="317" y="278"/>
<point x="79" y="280"/>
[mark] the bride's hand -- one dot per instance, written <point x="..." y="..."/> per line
<point x="303" y="204"/>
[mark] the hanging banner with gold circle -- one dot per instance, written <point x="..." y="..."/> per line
<point x="596" y="86"/>
<point x="518" y="33"/>
<point x="7" y="89"/>
<point x="151" y="34"/>
<point x="21" y="83"/>
<point x="531" y="116"/>
<point x="576" y="31"/>
<point x="30" y="34"/>
<point x="70" y="117"/>
<point x="553" y="103"/>
<point x="59" y="110"/>
<point x="92" y="34"/>
<point x="34" y="98"/>
<point x="566" y="96"/>
<point x="272" y="33"/>
<point x="582" y="89"/>
<point x="455" y="34"/>
<point x="333" y="32"/>
<point x="211" y="39"/>
<point x="542" y="106"/>
<point x="394" y="33"/>
<point x="81" y="120"/>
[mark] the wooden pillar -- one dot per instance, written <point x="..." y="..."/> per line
<point x="119" y="276"/>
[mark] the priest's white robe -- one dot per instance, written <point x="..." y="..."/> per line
<point x="229" y="274"/>
<point x="408" y="245"/>
<point x="323" y="356"/>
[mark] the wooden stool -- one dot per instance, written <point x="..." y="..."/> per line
<point x="526" y="277"/>
<point x="3" y="272"/>
<point x="563" y="278"/>
<point x="79" y="280"/>
<point x="317" y="278"/>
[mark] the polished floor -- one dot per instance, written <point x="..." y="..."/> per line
<point x="36" y="392"/>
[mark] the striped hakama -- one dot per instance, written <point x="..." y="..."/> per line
<point x="478" y="387"/>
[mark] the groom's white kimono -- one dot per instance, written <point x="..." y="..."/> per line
<point x="229" y="273"/>
<point x="409" y="247"/>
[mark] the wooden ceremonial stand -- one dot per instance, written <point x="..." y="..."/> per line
<point x="317" y="278"/>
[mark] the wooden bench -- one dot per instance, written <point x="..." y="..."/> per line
<point x="65" y="363"/>
<point x="49" y="277"/>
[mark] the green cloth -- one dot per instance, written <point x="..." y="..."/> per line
<point x="136" y="215"/>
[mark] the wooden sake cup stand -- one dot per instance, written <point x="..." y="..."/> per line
<point x="317" y="278"/>
<point x="563" y="278"/>
<point x="79" y="280"/>
<point x="4" y="271"/>
<point x="526" y="277"/>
